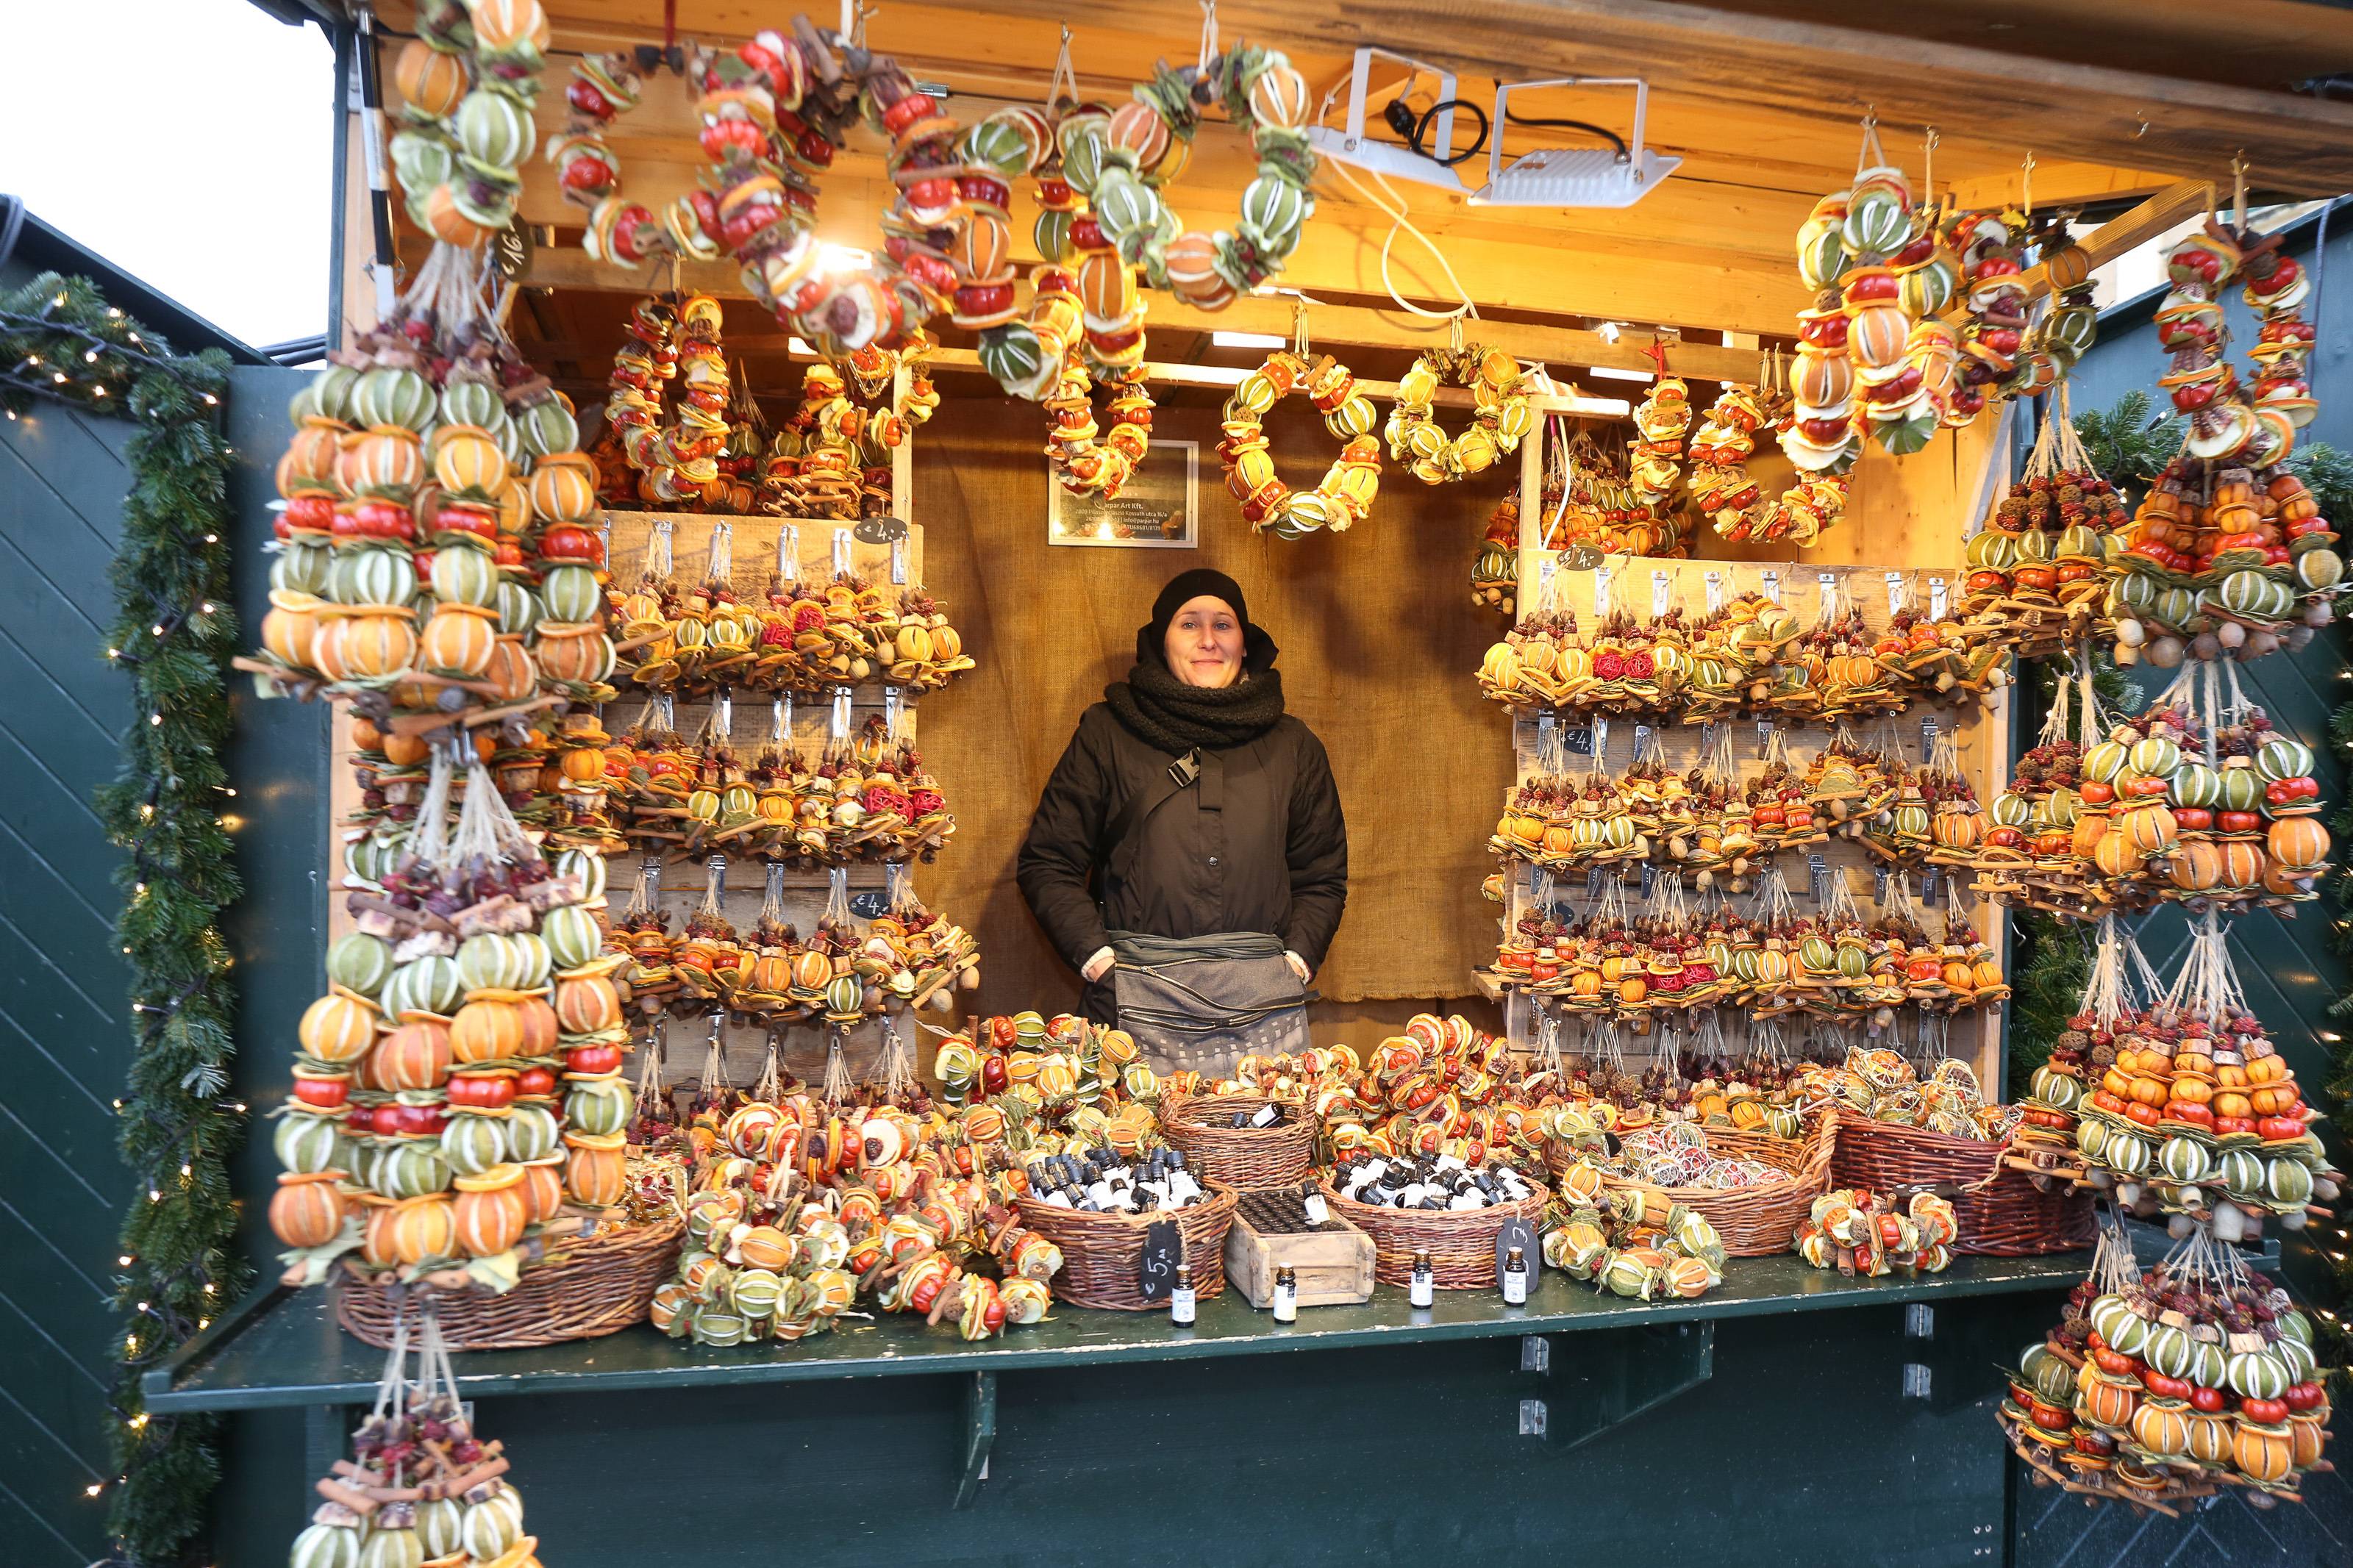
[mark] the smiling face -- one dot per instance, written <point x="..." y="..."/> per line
<point x="1204" y="646"/>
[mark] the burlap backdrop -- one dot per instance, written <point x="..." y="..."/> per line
<point x="1379" y="646"/>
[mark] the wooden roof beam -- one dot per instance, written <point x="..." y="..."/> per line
<point x="1814" y="71"/>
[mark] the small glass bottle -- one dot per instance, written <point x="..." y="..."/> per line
<point x="1311" y="1199"/>
<point x="1286" y="1296"/>
<point x="1180" y="1298"/>
<point x="1516" y="1278"/>
<point x="1422" y="1288"/>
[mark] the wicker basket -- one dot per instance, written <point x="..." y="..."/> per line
<point x="1460" y="1242"/>
<point x="587" y="1287"/>
<point x="1102" y="1253"/>
<point x="1279" y="1156"/>
<point x="2000" y="1212"/>
<point x="1760" y="1221"/>
<point x="1756" y="1144"/>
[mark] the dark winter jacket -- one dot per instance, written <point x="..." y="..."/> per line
<point x="1257" y="844"/>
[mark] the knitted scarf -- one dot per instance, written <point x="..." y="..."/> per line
<point x="1162" y="710"/>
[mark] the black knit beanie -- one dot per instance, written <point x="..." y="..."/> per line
<point x="1152" y="639"/>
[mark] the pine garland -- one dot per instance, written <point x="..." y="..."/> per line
<point x="169" y="810"/>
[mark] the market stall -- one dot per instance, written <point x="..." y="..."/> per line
<point x="751" y="443"/>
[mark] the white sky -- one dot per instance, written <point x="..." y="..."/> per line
<point x="205" y="168"/>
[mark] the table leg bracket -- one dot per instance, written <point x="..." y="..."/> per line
<point x="1594" y="1383"/>
<point x="979" y="1435"/>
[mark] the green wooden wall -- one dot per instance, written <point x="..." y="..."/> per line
<point x="63" y="1028"/>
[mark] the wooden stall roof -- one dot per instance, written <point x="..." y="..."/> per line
<point x="2114" y="100"/>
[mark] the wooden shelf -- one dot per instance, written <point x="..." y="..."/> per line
<point x="281" y="1347"/>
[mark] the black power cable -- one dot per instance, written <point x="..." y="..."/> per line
<point x="1414" y="129"/>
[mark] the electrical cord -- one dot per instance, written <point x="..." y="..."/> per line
<point x="1539" y="124"/>
<point x="1415" y="129"/>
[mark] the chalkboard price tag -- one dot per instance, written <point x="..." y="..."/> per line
<point x="1601" y="575"/>
<point x="1826" y="595"/>
<point x="1927" y="735"/>
<point x="1928" y="881"/>
<point x="1895" y="592"/>
<point x="1516" y="1233"/>
<point x="1660" y="584"/>
<point x="1879" y="883"/>
<point x="1578" y="740"/>
<point x="1593" y="883"/>
<point x="1715" y="592"/>
<point x="1821" y="870"/>
<point x="1773" y="586"/>
<point x="1936" y="598"/>
<point x="1600" y="738"/>
<point x="1650" y="878"/>
<point x="870" y="905"/>
<point x="1164" y="1249"/>
<point x="1641" y="736"/>
<point x="1764" y="736"/>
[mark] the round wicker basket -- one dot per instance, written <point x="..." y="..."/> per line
<point x="2002" y="1212"/>
<point x="1460" y="1242"/>
<point x="1760" y="1221"/>
<point x="584" y="1288"/>
<point x="1277" y="1156"/>
<point x="1102" y="1253"/>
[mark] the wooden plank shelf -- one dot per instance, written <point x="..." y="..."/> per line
<point x="281" y="1347"/>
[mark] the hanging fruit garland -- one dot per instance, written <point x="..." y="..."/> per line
<point x="1344" y="495"/>
<point x="1663" y="417"/>
<point x="2229" y="554"/>
<point x="467" y="84"/>
<point x="1499" y="386"/>
<point x="1721" y="487"/>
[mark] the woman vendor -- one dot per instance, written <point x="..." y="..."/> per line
<point x="1190" y="806"/>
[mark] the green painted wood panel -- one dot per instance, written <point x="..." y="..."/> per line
<point x="62" y="480"/>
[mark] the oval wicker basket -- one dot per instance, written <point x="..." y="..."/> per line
<point x="2001" y="1212"/>
<point x="1102" y="1253"/>
<point x="1460" y="1242"/>
<point x="1760" y="1221"/>
<point x="585" y="1286"/>
<point x="1278" y="1156"/>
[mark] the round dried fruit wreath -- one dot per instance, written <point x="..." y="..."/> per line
<point x="1345" y="492"/>
<point x="1499" y="387"/>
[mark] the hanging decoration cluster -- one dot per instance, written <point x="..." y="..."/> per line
<point x="1876" y="360"/>
<point x="467" y="84"/>
<point x="772" y="113"/>
<point x="169" y="812"/>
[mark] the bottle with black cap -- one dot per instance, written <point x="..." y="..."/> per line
<point x="1286" y="1295"/>
<point x="1180" y="1298"/>
<point x="1421" y="1285"/>
<point x="1516" y="1278"/>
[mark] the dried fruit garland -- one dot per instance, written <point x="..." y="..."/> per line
<point x="774" y="110"/>
<point x="1886" y="273"/>
<point x="1345" y="492"/>
<point x="467" y="83"/>
<point x="2228" y="550"/>
<point x="1499" y="388"/>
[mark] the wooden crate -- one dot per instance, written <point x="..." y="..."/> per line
<point x="1333" y="1267"/>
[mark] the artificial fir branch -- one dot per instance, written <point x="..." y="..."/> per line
<point x="173" y="633"/>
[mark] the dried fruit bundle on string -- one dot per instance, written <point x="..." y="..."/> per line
<point x="2196" y="1114"/>
<point x="2036" y="567"/>
<point x="420" y="1487"/>
<point x="2160" y="1388"/>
